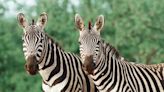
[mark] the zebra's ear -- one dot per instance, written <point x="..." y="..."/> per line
<point x="79" y="22"/>
<point x="99" y="23"/>
<point x="22" y="20"/>
<point x="42" y="20"/>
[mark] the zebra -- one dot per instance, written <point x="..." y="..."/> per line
<point x="108" y="69"/>
<point x="60" y="71"/>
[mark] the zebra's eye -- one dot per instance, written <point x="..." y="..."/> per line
<point x="22" y="39"/>
<point x="79" y="42"/>
<point x="98" y="42"/>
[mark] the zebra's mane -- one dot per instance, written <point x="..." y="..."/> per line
<point x="154" y="67"/>
<point x="54" y="42"/>
<point x="32" y="22"/>
<point x="111" y="48"/>
<point x="89" y="25"/>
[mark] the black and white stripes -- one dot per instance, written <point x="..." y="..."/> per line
<point x="61" y="71"/>
<point x="110" y="71"/>
<point x="115" y="74"/>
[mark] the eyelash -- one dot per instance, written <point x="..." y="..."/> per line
<point x="98" y="42"/>
<point x="79" y="43"/>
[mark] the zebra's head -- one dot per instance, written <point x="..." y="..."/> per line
<point x="33" y="41"/>
<point x="90" y="42"/>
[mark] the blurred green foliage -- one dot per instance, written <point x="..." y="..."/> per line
<point x="134" y="27"/>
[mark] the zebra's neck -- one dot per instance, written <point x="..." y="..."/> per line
<point x="53" y="61"/>
<point x="63" y="70"/>
<point x="114" y="72"/>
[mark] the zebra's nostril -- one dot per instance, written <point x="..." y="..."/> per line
<point x="84" y="65"/>
<point x="93" y="65"/>
<point x="31" y="69"/>
<point x="26" y="67"/>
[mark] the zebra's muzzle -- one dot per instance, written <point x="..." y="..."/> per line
<point x="31" y="65"/>
<point x="89" y="65"/>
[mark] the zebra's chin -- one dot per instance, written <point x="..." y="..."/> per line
<point x="89" y="65"/>
<point x="31" y="65"/>
<point x="32" y="72"/>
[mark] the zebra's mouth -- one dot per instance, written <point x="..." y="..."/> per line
<point x="32" y="70"/>
<point x="89" y="69"/>
<point x="89" y="65"/>
<point x="31" y="65"/>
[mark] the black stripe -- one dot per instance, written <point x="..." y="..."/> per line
<point x="144" y="89"/>
<point x="110" y="74"/>
<point x="51" y="59"/>
<point x="74" y="68"/>
<point x="37" y="39"/>
<point x="123" y="86"/>
<point x="105" y="72"/>
<point x="57" y="68"/>
<point x="72" y="72"/>
<point x="47" y="54"/>
<point x="131" y="68"/>
<point x="76" y="85"/>
<point x="70" y="77"/>
<point x="127" y="89"/>
<point x="86" y="77"/>
<point x="115" y="77"/>
<point x="147" y="80"/>
<point x="63" y="76"/>
<point x="37" y="55"/>
<point x="160" y="72"/>
<point x="40" y="50"/>
<point x="153" y="79"/>
<point x="124" y="75"/>
<point x="106" y="61"/>
<point x="130" y="77"/>
<point x="120" y="76"/>
<point x="99" y="66"/>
